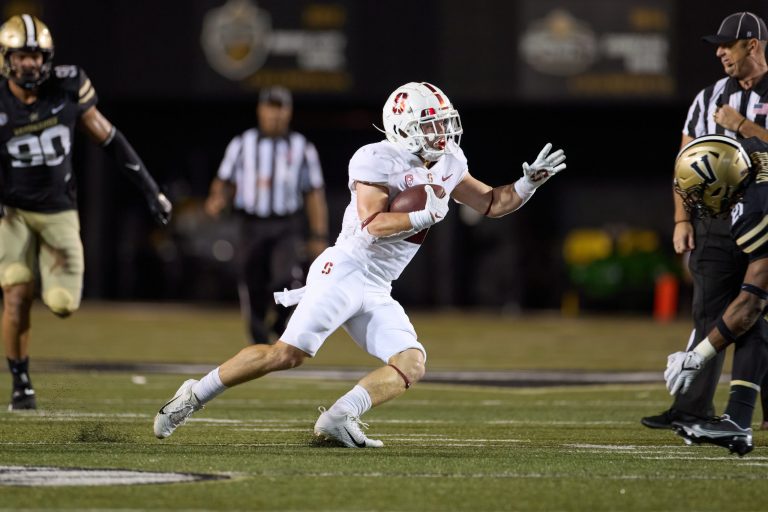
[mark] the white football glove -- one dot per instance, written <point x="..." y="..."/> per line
<point x="682" y="369"/>
<point x="544" y="167"/>
<point x="435" y="210"/>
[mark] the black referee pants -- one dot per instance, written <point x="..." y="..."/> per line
<point x="269" y="259"/>
<point x="718" y="268"/>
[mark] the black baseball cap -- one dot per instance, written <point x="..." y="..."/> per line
<point x="739" y="25"/>
<point x="276" y="95"/>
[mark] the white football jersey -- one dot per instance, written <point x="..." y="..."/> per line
<point x="384" y="163"/>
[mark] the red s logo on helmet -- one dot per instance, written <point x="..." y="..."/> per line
<point x="399" y="106"/>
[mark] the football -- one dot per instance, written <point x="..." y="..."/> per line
<point x="413" y="199"/>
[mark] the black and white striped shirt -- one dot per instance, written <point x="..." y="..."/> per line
<point x="752" y="104"/>
<point x="271" y="175"/>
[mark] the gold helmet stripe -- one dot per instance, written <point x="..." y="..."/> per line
<point x="717" y="138"/>
<point x="29" y="25"/>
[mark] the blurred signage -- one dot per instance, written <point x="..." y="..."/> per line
<point x="519" y="50"/>
<point x="596" y="49"/>
<point x="302" y="45"/>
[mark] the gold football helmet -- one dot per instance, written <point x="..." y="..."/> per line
<point x="28" y="34"/>
<point x="710" y="174"/>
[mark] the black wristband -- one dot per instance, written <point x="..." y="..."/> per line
<point x="725" y="332"/>
<point x="754" y="290"/>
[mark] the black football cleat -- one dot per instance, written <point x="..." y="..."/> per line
<point x="665" y="419"/>
<point x="721" y="431"/>
<point x="22" y="399"/>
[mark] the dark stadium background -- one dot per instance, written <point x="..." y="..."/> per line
<point x="146" y="60"/>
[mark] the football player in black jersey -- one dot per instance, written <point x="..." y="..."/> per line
<point x="717" y="175"/>
<point x="40" y="105"/>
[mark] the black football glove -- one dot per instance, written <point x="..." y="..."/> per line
<point x="161" y="208"/>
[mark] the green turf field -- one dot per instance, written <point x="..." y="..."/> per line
<point x="447" y="447"/>
<point x="454" y="339"/>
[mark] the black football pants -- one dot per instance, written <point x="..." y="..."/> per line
<point x="270" y="259"/>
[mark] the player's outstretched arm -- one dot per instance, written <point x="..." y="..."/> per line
<point x="117" y="146"/>
<point x="499" y="201"/>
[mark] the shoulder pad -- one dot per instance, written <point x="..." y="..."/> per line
<point x="372" y="163"/>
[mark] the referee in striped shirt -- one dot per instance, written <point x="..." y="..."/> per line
<point x="735" y="106"/>
<point x="272" y="178"/>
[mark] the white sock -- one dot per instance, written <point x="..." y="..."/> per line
<point x="356" y="402"/>
<point x="209" y="387"/>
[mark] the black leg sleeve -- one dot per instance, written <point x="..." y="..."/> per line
<point x="750" y="360"/>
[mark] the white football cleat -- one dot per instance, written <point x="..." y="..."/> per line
<point x="176" y="411"/>
<point x="344" y="429"/>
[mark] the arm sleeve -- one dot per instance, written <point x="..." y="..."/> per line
<point x="121" y="151"/>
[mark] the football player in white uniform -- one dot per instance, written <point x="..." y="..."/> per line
<point x="349" y="284"/>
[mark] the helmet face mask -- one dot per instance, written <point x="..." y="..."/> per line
<point x="420" y="118"/>
<point x="24" y="36"/>
<point x="711" y="174"/>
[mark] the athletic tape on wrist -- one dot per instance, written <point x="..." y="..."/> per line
<point x="524" y="188"/>
<point x="420" y="219"/>
<point x="705" y="349"/>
